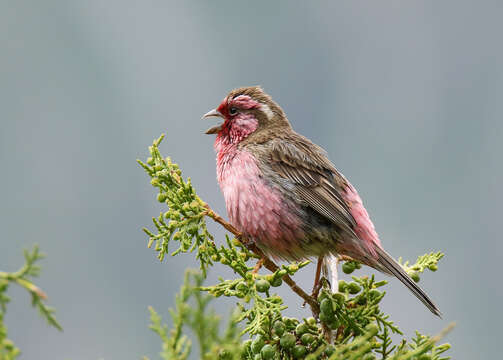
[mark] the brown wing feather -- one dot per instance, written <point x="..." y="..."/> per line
<point x="317" y="183"/>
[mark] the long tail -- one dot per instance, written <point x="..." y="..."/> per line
<point x="391" y="266"/>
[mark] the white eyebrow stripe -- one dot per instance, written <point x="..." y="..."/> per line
<point x="267" y="111"/>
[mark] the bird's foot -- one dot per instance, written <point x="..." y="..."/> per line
<point x="323" y="283"/>
<point x="316" y="289"/>
<point x="316" y="285"/>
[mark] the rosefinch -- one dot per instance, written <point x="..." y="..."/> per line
<point x="283" y="193"/>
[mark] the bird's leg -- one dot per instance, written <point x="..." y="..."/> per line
<point x="258" y="266"/>
<point x="327" y="333"/>
<point x="317" y="283"/>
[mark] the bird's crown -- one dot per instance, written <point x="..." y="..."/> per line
<point x="254" y="98"/>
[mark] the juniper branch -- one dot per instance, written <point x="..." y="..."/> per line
<point x="22" y="278"/>
<point x="361" y="330"/>
<point x="28" y="285"/>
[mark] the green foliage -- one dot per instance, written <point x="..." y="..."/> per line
<point x="348" y="325"/>
<point x="183" y="222"/>
<point x="191" y="311"/>
<point x="427" y="261"/>
<point x="22" y="277"/>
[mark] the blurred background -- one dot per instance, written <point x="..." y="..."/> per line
<point x="406" y="97"/>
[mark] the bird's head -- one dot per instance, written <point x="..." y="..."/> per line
<point x="246" y="111"/>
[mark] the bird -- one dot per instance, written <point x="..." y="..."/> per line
<point x="283" y="193"/>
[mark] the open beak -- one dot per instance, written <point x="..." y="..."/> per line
<point x="217" y="128"/>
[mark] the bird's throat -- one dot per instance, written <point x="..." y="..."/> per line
<point x="236" y="130"/>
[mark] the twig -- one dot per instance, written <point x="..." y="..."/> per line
<point x="258" y="266"/>
<point x="24" y="283"/>
<point x="268" y="263"/>
<point x="432" y="341"/>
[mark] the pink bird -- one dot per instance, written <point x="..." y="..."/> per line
<point x="283" y="193"/>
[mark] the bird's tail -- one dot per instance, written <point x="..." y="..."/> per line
<point x="390" y="266"/>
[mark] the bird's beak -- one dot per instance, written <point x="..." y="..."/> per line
<point x="217" y="128"/>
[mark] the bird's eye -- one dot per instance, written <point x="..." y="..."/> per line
<point x="233" y="111"/>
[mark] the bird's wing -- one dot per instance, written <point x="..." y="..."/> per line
<point x="315" y="179"/>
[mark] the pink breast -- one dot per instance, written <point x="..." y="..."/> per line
<point x="253" y="206"/>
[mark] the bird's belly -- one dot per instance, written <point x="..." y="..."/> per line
<point x="258" y="209"/>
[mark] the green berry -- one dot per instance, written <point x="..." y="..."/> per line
<point x="257" y="344"/>
<point x="354" y="288"/>
<point x="287" y="341"/>
<point x="307" y="339"/>
<point x="161" y="197"/>
<point x="342" y="286"/>
<point x="262" y="285"/>
<point x="242" y="287"/>
<point x="299" y="351"/>
<point x="361" y="299"/>
<point x="267" y="352"/>
<point x="311" y="321"/>
<point x="322" y="295"/>
<point x="433" y="267"/>
<point x="301" y="329"/>
<point x="150" y="161"/>
<point x="279" y="328"/>
<point x="326" y="319"/>
<point x="348" y="267"/>
<point x="415" y="276"/>
<point x="375" y="294"/>
<point x="277" y="281"/>
<point x="339" y="298"/>
<point x="326" y="307"/>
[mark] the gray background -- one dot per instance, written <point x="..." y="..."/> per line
<point x="406" y="97"/>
